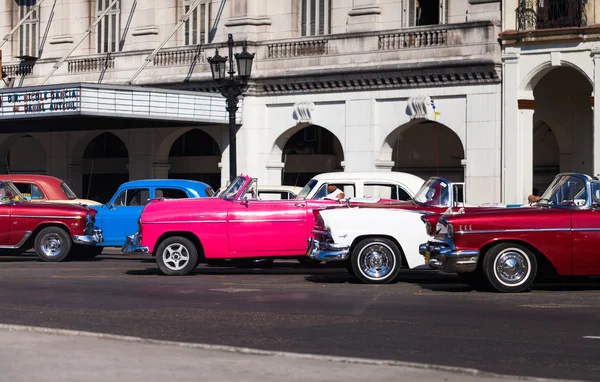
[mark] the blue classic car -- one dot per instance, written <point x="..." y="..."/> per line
<point x="119" y="217"/>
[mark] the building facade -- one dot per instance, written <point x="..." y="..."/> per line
<point x="551" y="60"/>
<point x="337" y="85"/>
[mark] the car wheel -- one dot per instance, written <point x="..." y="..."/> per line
<point x="176" y="256"/>
<point x="87" y="252"/>
<point x="306" y="262"/>
<point x="376" y="261"/>
<point x="52" y="244"/>
<point x="510" y="268"/>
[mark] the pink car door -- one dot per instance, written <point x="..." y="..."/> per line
<point x="267" y="227"/>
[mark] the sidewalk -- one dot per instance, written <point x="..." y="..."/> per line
<point x="36" y="354"/>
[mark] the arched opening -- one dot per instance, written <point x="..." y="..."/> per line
<point x="428" y="149"/>
<point x="312" y="150"/>
<point x="546" y="157"/>
<point x="105" y="161"/>
<point x="25" y="155"/>
<point x="562" y="95"/>
<point x="196" y="155"/>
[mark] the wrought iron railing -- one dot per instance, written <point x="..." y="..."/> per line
<point x="548" y="14"/>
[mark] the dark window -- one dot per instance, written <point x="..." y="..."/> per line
<point x="29" y="190"/>
<point x="133" y="197"/>
<point x="170" y="193"/>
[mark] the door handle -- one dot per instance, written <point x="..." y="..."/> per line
<point x="299" y="205"/>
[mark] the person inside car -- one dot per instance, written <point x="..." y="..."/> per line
<point x="334" y="193"/>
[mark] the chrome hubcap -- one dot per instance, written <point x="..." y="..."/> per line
<point x="176" y="256"/>
<point x="51" y="245"/>
<point x="512" y="267"/>
<point x="376" y="261"/>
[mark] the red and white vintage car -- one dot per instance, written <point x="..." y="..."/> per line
<point x="54" y="230"/>
<point x="506" y="248"/>
<point x="236" y="225"/>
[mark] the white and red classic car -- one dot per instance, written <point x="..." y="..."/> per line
<point x="374" y="241"/>
<point x="236" y="225"/>
<point x="505" y="249"/>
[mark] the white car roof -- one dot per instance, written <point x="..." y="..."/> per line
<point x="292" y="189"/>
<point x="411" y="181"/>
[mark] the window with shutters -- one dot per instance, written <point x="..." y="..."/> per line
<point x="29" y="31"/>
<point x="197" y="27"/>
<point x="424" y="12"/>
<point x="109" y="30"/>
<point x="315" y="17"/>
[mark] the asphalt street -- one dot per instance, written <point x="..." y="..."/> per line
<point x="552" y="331"/>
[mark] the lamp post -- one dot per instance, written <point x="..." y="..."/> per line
<point x="231" y="88"/>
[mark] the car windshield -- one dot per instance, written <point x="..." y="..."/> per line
<point x="10" y="193"/>
<point x="307" y="189"/>
<point x="68" y="192"/>
<point x="435" y="192"/>
<point x="565" y="191"/>
<point x="233" y="189"/>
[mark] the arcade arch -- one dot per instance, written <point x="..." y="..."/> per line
<point x="195" y="154"/>
<point x="308" y="151"/>
<point x="425" y="148"/>
<point x="105" y="167"/>
<point x="563" y="125"/>
<point x="23" y="154"/>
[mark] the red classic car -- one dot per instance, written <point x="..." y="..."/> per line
<point x="54" y="230"/>
<point x="507" y="248"/>
<point x="236" y="225"/>
<point x="44" y="188"/>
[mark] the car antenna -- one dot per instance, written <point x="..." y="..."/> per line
<point x="90" y="180"/>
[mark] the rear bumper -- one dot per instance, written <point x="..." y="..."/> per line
<point x="445" y="257"/>
<point x="326" y="251"/>
<point x="94" y="238"/>
<point x="132" y="245"/>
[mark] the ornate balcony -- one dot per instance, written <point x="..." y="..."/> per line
<point x="549" y="14"/>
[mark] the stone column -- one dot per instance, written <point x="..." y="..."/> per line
<point x="160" y="170"/>
<point x="512" y="141"/>
<point x="359" y="154"/>
<point x="525" y="149"/>
<point x="596" y="106"/>
<point x="274" y="170"/>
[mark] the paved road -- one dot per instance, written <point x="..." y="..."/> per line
<point x="424" y="317"/>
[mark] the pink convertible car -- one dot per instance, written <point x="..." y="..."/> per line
<point x="236" y="225"/>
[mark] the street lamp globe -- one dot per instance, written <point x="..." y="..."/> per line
<point x="217" y="66"/>
<point x="244" y="63"/>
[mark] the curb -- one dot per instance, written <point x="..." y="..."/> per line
<point x="291" y="355"/>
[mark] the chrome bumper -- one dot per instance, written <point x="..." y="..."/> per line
<point x="326" y="251"/>
<point x="132" y="245"/>
<point x="443" y="256"/>
<point x="94" y="238"/>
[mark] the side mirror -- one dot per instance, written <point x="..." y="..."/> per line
<point x="245" y="199"/>
<point x="111" y="207"/>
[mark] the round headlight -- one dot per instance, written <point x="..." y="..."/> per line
<point x="450" y="230"/>
<point x="428" y="229"/>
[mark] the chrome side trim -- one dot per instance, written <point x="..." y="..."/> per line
<point x="266" y="220"/>
<point x="514" y="230"/>
<point x="187" y="222"/>
<point x="585" y="229"/>
<point x="47" y="217"/>
<point x="20" y="243"/>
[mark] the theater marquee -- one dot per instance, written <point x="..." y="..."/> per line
<point x="113" y="101"/>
